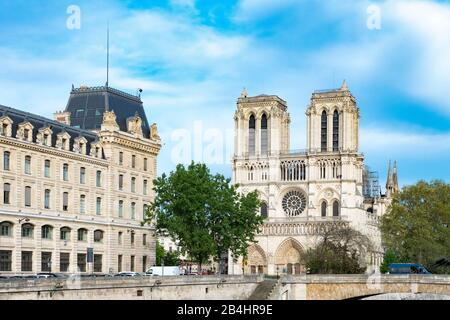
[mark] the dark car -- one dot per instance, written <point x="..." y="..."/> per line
<point x="407" y="268"/>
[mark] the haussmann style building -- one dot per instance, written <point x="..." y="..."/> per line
<point x="74" y="189"/>
<point x="305" y="191"/>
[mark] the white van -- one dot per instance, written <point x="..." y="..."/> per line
<point x="164" y="271"/>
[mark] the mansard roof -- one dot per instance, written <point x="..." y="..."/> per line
<point x="87" y="105"/>
<point x="39" y="122"/>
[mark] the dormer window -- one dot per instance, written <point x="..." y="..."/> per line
<point x="63" y="140"/>
<point x="79" y="145"/>
<point x="26" y="134"/>
<point x="6" y="126"/>
<point x="44" y="137"/>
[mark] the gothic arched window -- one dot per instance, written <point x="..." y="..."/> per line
<point x="251" y="135"/>
<point x="264" y="137"/>
<point x="336" y="208"/>
<point x="264" y="210"/>
<point x="323" y="209"/>
<point x="336" y="131"/>
<point x="323" y="132"/>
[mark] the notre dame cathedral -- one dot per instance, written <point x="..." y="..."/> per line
<point x="305" y="190"/>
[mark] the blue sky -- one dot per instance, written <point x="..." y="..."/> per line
<point x="192" y="58"/>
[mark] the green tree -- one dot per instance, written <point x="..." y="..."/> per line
<point x="416" y="227"/>
<point x="389" y="257"/>
<point x="342" y="250"/>
<point x="170" y="258"/>
<point x="204" y="212"/>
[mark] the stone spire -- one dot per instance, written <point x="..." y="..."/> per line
<point x="395" y="178"/>
<point x="389" y="182"/>
<point x="244" y="93"/>
<point x="344" y="86"/>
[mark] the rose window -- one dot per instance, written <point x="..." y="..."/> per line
<point x="294" y="203"/>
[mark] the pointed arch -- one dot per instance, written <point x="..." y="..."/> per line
<point x="323" y="131"/>
<point x="251" y="134"/>
<point x="289" y="256"/>
<point x="256" y="259"/>
<point x="335" y="130"/>
<point x="323" y="208"/>
<point x="336" y="208"/>
<point x="264" y="134"/>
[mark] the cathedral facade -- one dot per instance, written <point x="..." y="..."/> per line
<point x="304" y="191"/>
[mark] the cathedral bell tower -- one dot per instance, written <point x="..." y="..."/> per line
<point x="333" y="121"/>
<point x="261" y="126"/>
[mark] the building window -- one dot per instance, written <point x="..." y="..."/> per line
<point x="119" y="263"/>
<point x="46" y="232"/>
<point x="27" y="165"/>
<point x="27" y="196"/>
<point x="6" y="229"/>
<point x="27" y="261"/>
<point x="145" y="164"/>
<point x="46" y="262"/>
<point x="81" y="262"/>
<point x="132" y="238"/>
<point x="133" y="184"/>
<point x="132" y="263"/>
<point x="82" y="204"/>
<point x="65" y="233"/>
<point x="47" y="168"/>
<point x="251" y="135"/>
<point x="323" y="209"/>
<point x="98" y="206"/>
<point x="264" y="210"/>
<point x="144" y="239"/>
<point x="47" y="199"/>
<point x="82" y="175"/>
<point x="27" y="230"/>
<point x="144" y="263"/>
<point x="336" y="209"/>
<point x="65" y="172"/>
<point x="133" y="161"/>
<point x="336" y="131"/>
<point x="121" y="182"/>
<point x="6" y="160"/>
<point x="26" y="134"/>
<point x="82" y="235"/>
<point x="119" y="238"/>
<point x="120" y="208"/>
<point x="64" y="261"/>
<point x="133" y="210"/>
<point x="5" y="260"/>
<point x="65" y="201"/>
<point x="99" y="178"/>
<point x="145" y="186"/>
<point x="323" y="132"/>
<point x="98" y="236"/>
<point x="264" y="135"/>
<point x="97" y="263"/>
<point x="121" y="158"/>
<point x="6" y="193"/>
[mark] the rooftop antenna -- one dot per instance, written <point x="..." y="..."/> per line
<point x="107" y="56"/>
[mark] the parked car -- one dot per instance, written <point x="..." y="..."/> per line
<point x="407" y="268"/>
<point x="47" y="275"/>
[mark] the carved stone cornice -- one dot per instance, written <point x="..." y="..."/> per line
<point x="52" y="151"/>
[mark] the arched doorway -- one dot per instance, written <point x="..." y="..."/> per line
<point x="288" y="257"/>
<point x="256" y="260"/>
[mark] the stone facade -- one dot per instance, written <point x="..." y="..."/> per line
<point x="67" y="189"/>
<point x="303" y="191"/>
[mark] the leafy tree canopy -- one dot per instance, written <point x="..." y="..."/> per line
<point x="416" y="227"/>
<point x="204" y="212"/>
